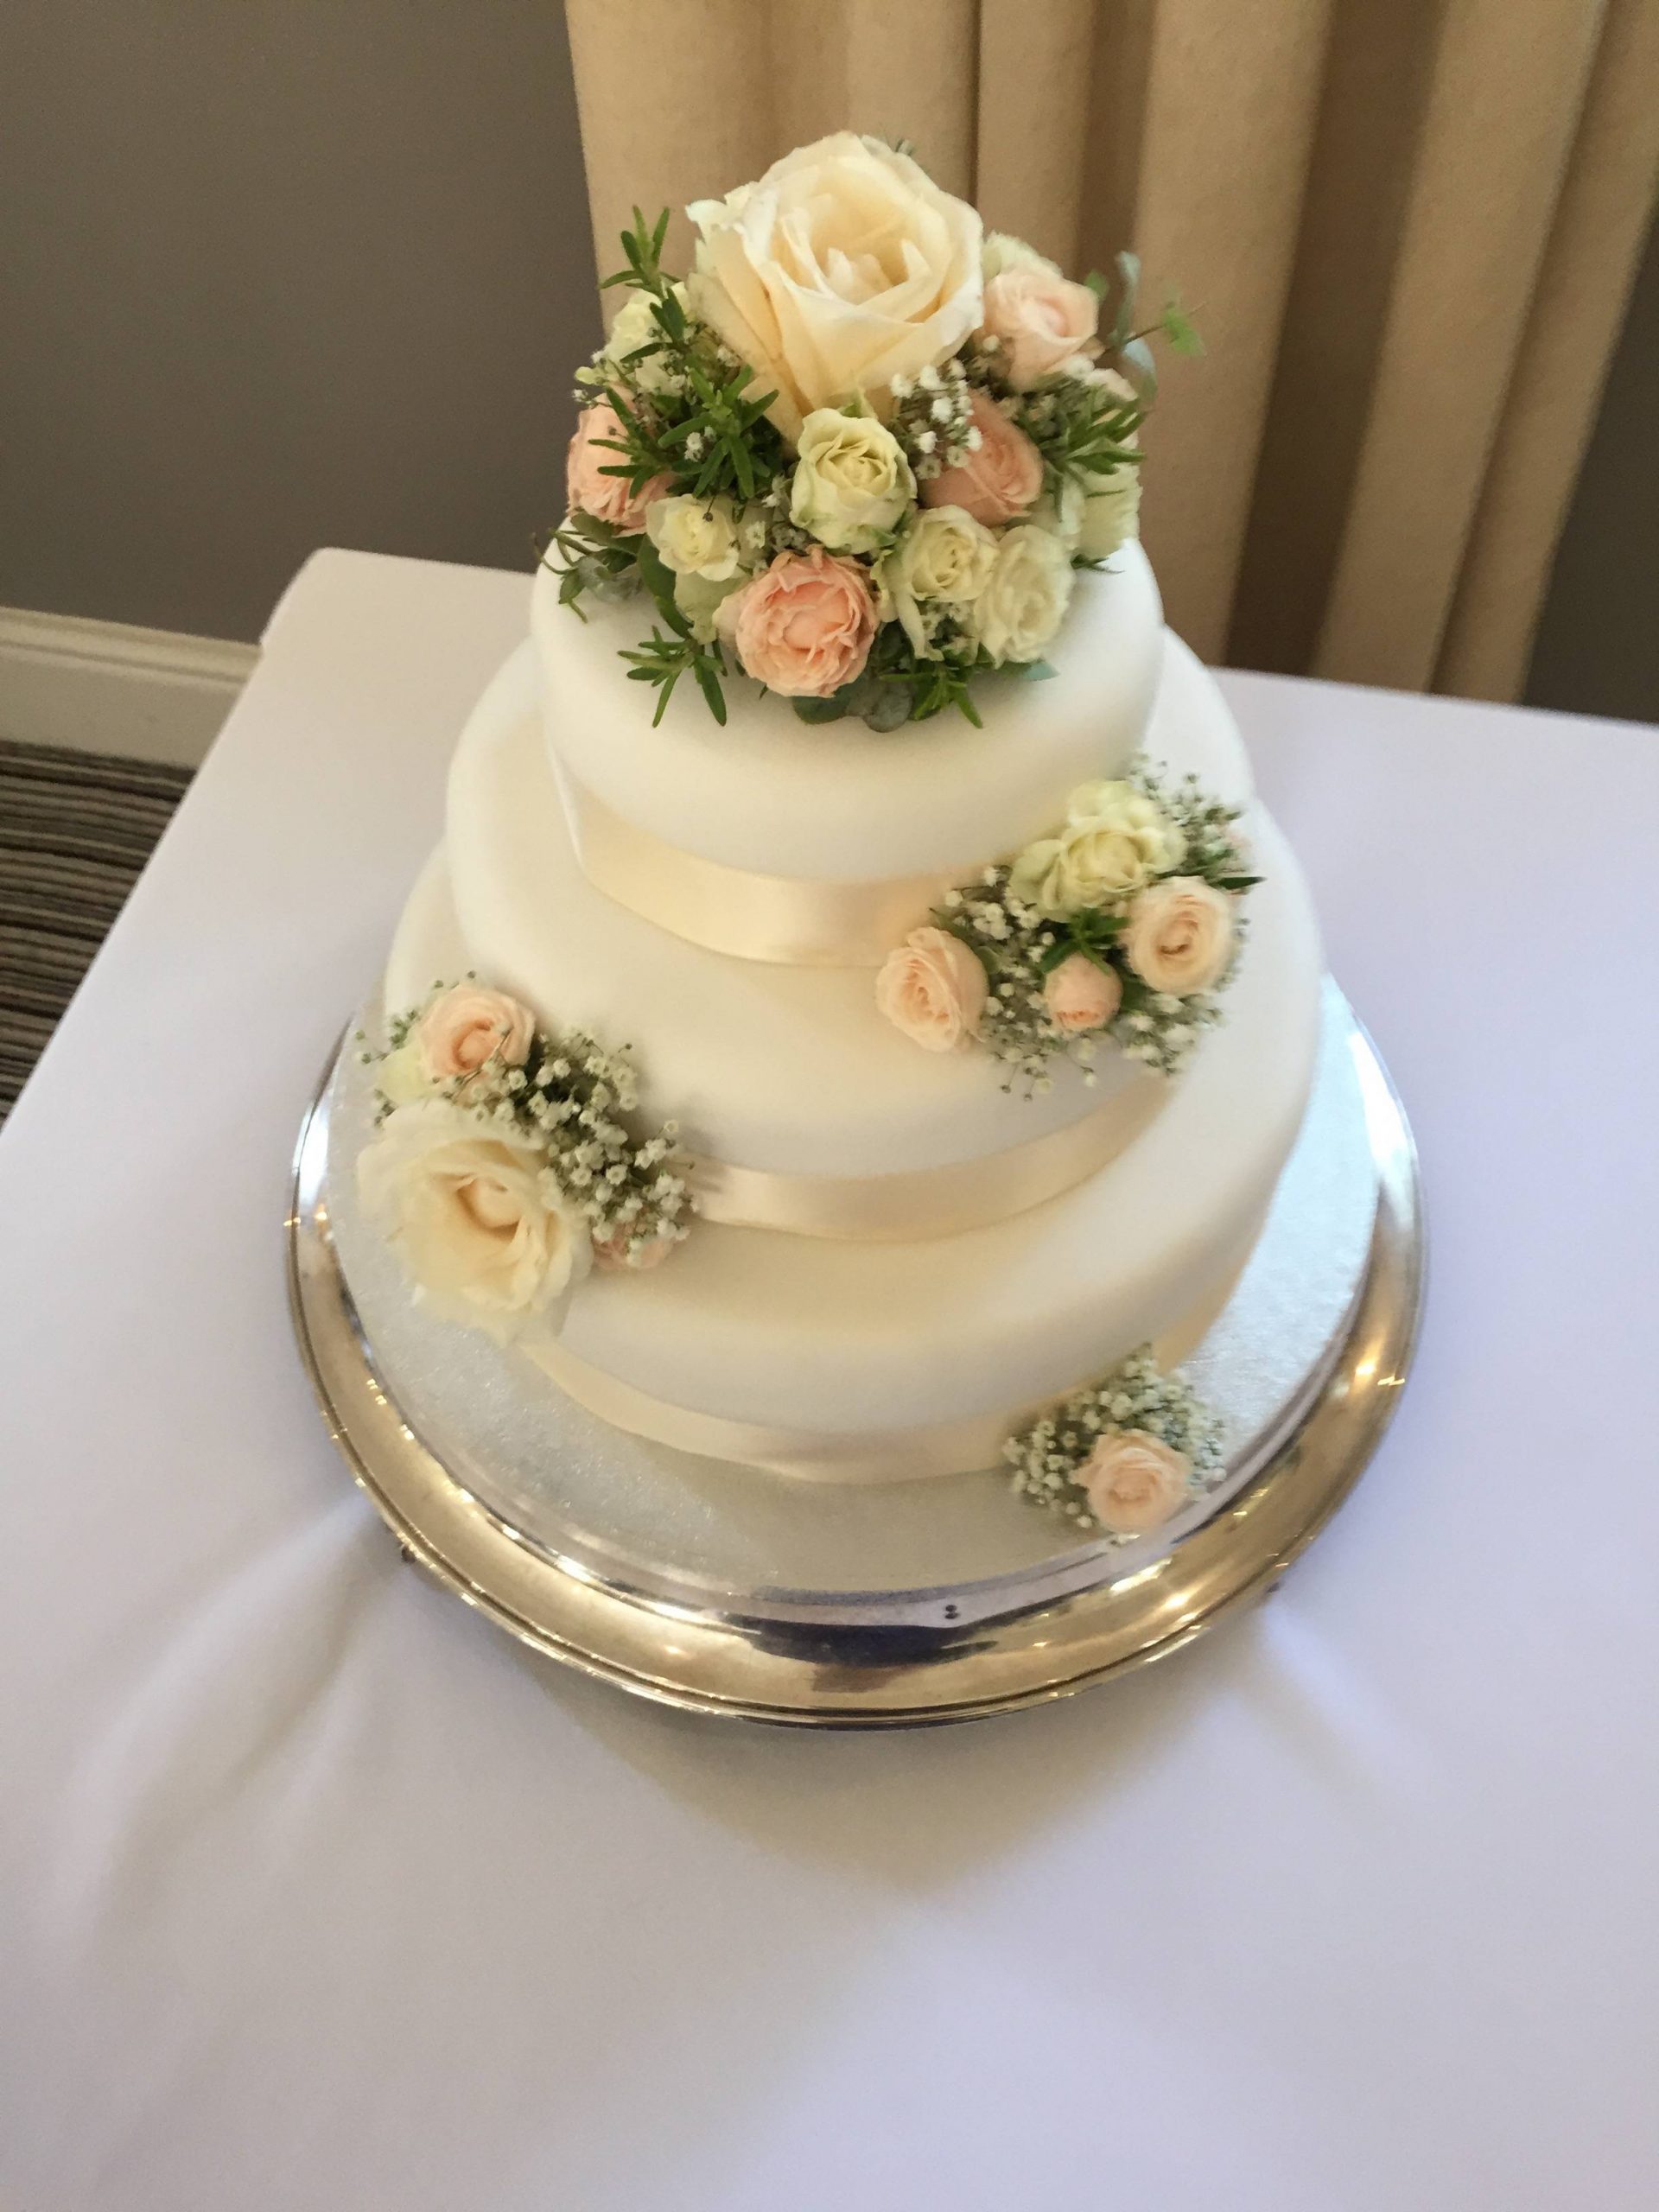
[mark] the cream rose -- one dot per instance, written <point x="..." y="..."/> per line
<point x="1061" y="514"/>
<point x="1002" y="477"/>
<point x="1081" y="995"/>
<point x="474" y="1213"/>
<point x="1040" y="319"/>
<point x="843" y="267"/>
<point x="466" y="1026"/>
<point x="1025" y="597"/>
<point x="593" y="451"/>
<point x="852" y="484"/>
<point x="1114" y="840"/>
<point x="944" y="559"/>
<point x="1180" y="936"/>
<point x="1133" y="1482"/>
<point x="636" y="325"/>
<point x="700" y="602"/>
<point x="802" y="626"/>
<point x="933" y="989"/>
<point x="1111" y="512"/>
<point x="695" y="537"/>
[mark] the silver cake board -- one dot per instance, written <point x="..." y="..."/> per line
<point x="721" y="1590"/>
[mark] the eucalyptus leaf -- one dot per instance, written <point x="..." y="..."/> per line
<point x="819" y="710"/>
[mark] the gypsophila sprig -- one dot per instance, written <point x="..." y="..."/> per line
<point x="1123" y="1456"/>
<point x="577" y="1101"/>
<point x="1127" y="923"/>
<point x="757" y="440"/>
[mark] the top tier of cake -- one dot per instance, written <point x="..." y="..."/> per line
<point x="836" y="801"/>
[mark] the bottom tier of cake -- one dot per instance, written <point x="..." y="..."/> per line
<point x="848" y="1361"/>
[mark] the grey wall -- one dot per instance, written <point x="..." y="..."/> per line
<point x="276" y="274"/>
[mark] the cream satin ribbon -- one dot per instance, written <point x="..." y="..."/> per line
<point x="790" y="920"/>
<point x="927" y="1201"/>
<point x="952" y="1447"/>
<point x="883" y="1456"/>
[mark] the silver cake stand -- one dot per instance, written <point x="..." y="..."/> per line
<point x="723" y="1590"/>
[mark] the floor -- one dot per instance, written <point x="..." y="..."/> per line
<point x="75" y="831"/>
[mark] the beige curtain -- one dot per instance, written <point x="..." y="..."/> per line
<point x="1408" y="230"/>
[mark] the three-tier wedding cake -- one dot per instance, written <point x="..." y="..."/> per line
<point x="859" y="1013"/>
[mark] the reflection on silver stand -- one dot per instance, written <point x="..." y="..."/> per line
<point x="725" y="1591"/>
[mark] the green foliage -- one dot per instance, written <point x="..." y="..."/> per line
<point x="701" y="424"/>
<point x="663" y="660"/>
<point x="590" y="555"/>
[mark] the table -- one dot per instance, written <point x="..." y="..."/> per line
<point x="316" y="1891"/>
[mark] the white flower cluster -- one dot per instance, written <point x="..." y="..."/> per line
<point x="1123" y="1456"/>
<point x="1125" y="922"/>
<point x="932" y="418"/>
<point x="503" y="1166"/>
<point x="861" y="491"/>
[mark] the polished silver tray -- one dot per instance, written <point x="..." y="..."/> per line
<point x="723" y="1590"/>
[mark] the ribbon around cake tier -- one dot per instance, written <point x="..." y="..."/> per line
<point x="792" y="921"/>
<point x="923" y="1202"/>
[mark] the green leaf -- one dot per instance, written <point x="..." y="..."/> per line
<point x="1140" y="367"/>
<point x="819" y="710"/>
<point x="1180" y="330"/>
<point x="708" y="684"/>
<point x="1037" y="672"/>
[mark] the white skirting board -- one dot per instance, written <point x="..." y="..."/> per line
<point x="108" y="687"/>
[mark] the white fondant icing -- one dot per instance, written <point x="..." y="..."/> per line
<point x="791" y="1069"/>
<point x="844" y="1337"/>
<point x="836" y="800"/>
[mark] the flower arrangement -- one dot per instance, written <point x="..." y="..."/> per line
<point x="860" y="451"/>
<point x="503" y="1166"/>
<point x="1123" y="1456"/>
<point x="1124" y="924"/>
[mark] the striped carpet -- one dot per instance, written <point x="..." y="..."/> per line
<point x="75" y="829"/>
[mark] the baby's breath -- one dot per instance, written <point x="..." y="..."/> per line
<point x="580" y="1101"/>
<point x="1048" y="1455"/>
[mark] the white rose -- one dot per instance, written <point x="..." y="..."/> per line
<point x="843" y="267"/>
<point x="1024" y="599"/>
<point x="1111" y="513"/>
<point x="1003" y="251"/>
<point x="1061" y="515"/>
<point x="852" y="484"/>
<point x="695" y="537"/>
<point x="700" y="602"/>
<point x="945" y="559"/>
<point x="1180" y="936"/>
<point x="401" y="1077"/>
<point x="1114" y="840"/>
<point x="636" y="325"/>
<point x="474" y="1214"/>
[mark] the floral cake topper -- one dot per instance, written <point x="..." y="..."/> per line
<point x="859" y="453"/>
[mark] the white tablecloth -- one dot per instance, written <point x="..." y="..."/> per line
<point x="316" y="1891"/>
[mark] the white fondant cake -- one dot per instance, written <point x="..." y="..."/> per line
<point x="977" y="1078"/>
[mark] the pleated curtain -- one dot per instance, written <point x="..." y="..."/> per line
<point x="1406" y="228"/>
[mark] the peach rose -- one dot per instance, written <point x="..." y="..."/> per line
<point x="933" y="989"/>
<point x="1180" y="935"/>
<point x="1042" y="319"/>
<point x="467" y="1026"/>
<point x="1001" y="478"/>
<point x="1080" y="995"/>
<point x="804" y="625"/>
<point x="1133" y="1482"/>
<point x="607" y="499"/>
